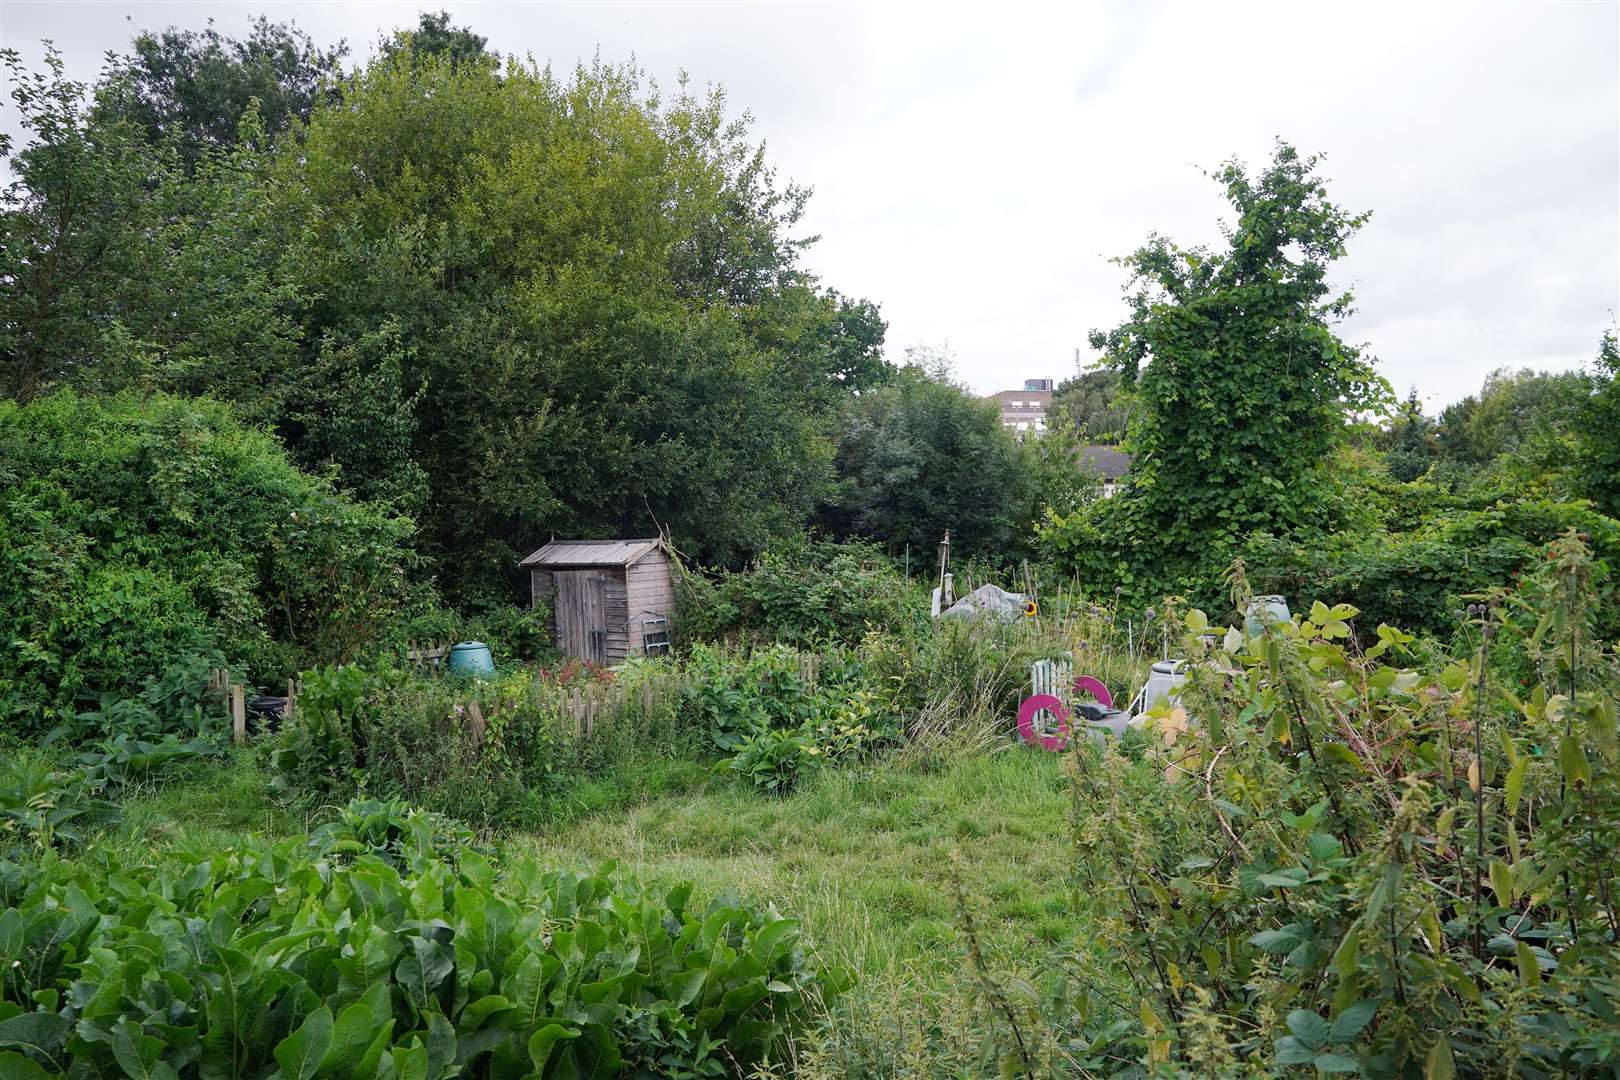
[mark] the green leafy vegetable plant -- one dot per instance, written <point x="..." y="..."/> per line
<point x="278" y="960"/>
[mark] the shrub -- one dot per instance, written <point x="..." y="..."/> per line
<point x="772" y="759"/>
<point x="45" y="805"/>
<point x="801" y="592"/>
<point x="136" y="534"/>
<point x="1418" y="579"/>
<point x="261" y="958"/>
<point x="392" y="831"/>
<point x="1335" y="861"/>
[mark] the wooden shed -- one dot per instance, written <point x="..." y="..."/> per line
<point x="610" y="599"/>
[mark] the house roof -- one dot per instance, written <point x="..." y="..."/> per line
<point x="1042" y="396"/>
<point x="594" y="552"/>
<point x="1109" y="463"/>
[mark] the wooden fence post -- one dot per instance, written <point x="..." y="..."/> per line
<point x="238" y="714"/>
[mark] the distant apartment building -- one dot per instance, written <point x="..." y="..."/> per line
<point x="1024" y="411"/>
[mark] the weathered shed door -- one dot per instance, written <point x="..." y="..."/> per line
<point x="581" y="618"/>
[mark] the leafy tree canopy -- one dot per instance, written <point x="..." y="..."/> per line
<point x="192" y="87"/>
<point x="1093" y="403"/>
<point x="921" y="455"/>
<point x="435" y="36"/>
<point x="125" y="267"/>
<point x="1511" y="411"/>
<point x="1410" y="440"/>
<point x="512" y="303"/>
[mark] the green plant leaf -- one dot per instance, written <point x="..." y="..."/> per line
<point x="1333" y="1062"/>
<point x="1572" y="760"/>
<point x="15" y="1066"/>
<point x="300" y="1054"/>
<point x="1308" y="1027"/>
<point x="544" y="1040"/>
<point x="1439" y="1064"/>
<point x="1350" y="1021"/>
<point x="351" y="1036"/>
<point x="1513" y="786"/>
<point x="43" y="1032"/>
<point x="1277" y="942"/>
<point x="1501" y="883"/>
<point x="1290" y="1051"/>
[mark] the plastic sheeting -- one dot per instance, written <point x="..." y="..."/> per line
<point x="988" y="601"/>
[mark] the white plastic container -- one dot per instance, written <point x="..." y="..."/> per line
<point x="1163" y="685"/>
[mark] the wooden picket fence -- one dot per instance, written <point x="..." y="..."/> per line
<point x="427" y="654"/>
<point x="585" y="704"/>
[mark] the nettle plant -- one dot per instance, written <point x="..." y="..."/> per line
<point x="1339" y="864"/>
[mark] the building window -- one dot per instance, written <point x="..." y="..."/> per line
<point x="655" y="636"/>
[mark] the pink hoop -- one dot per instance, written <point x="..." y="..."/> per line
<point x="1095" y="688"/>
<point x="1026" y="721"/>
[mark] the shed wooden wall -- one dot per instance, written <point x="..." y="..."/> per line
<point x="630" y="595"/>
<point x="650" y="588"/>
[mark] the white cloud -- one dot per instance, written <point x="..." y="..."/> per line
<point x="976" y="167"/>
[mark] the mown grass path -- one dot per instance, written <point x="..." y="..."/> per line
<point x="864" y="860"/>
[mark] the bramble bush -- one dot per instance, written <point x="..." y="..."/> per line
<point x="275" y="958"/>
<point x="803" y="592"/>
<point x="1336" y="862"/>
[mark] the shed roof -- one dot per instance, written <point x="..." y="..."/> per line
<point x="594" y="552"/>
<point x="1109" y="463"/>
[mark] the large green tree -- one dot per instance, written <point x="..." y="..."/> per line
<point x="125" y="267"/>
<point x="1409" y="441"/>
<point x="1512" y="412"/>
<point x="921" y="455"/>
<point x="594" y="315"/>
<point x="511" y="302"/>
<point x="435" y="35"/>
<point x="1241" y="387"/>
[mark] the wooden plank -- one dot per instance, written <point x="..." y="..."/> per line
<point x="238" y="715"/>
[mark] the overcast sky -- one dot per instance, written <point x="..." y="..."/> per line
<point x="975" y="168"/>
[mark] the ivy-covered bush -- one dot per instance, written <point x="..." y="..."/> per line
<point x="275" y="961"/>
<point x="137" y="534"/>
